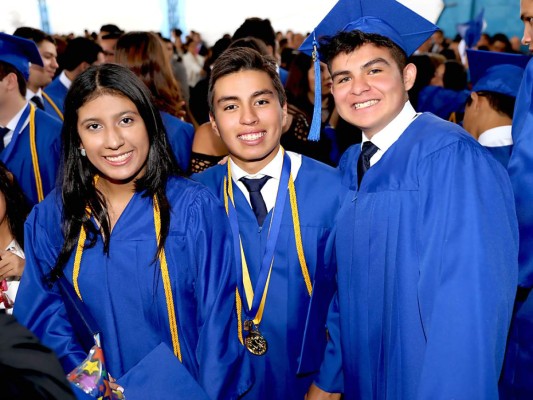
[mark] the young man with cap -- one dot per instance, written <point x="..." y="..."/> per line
<point x="41" y="76"/>
<point x="30" y="137"/>
<point x="516" y="382"/>
<point x="427" y="238"/>
<point x="489" y="109"/>
<point x="282" y="208"/>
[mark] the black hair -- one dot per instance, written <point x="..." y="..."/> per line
<point x="499" y="102"/>
<point x="77" y="173"/>
<point x="17" y="204"/>
<point x="455" y="76"/>
<point x="244" y="59"/>
<point x="111" y="29"/>
<point x="79" y="50"/>
<point x="258" y="28"/>
<point x="502" y="37"/>
<point x="35" y="35"/>
<point x="347" y="42"/>
<point x="6" y="69"/>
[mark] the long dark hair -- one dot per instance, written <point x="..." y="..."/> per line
<point x="17" y="205"/>
<point x="77" y="181"/>
<point x="144" y="54"/>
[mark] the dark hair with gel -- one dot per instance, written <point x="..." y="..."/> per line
<point x="348" y="42"/>
<point x="244" y="59"/>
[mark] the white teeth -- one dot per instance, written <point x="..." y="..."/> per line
<point x="120" y="157"/>
<point x="252" y="136"/>
<point x="365" y="104"/>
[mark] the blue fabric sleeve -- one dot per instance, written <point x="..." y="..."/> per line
<point x="330" y="377"/>
<point x="468" y="246"/>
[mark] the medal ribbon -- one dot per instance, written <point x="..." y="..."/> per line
<point x="255" y="305"/>
<point x="164" y="274"/>
<point x="29" y="110"/>
<point x="54" y="105"/>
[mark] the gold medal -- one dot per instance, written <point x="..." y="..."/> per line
<point x="254" y="342"/>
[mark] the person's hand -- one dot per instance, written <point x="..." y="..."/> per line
<point x="315" y="393"/>
<point x="115" y="386"/>
<point x="11" y="265"/>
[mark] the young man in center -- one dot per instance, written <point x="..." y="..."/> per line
<point x="282" y="207"/>
<point x="427" y="239"/>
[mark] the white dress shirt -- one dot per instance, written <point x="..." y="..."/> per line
<point x="272" y="169"/>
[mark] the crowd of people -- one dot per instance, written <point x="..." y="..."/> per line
<point x="344" y="213"/>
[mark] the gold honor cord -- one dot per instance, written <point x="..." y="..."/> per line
<point x="54" y="106"/>
<point x="34" y="156"/>
<point x="164" y="271"/>
<point x="228" y="195"/>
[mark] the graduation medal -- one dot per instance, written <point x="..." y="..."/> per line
<point x="255" y="342"/>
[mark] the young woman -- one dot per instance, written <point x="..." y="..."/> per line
<point x="14" y="208"/>
<point x="149" y="253"/>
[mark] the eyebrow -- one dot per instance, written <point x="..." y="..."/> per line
<point x="254" y="95"/>
<point x="363" y="67"/>
<point x="119" y="114"/>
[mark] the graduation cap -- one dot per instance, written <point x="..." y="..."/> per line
<point x="389" y="18"/>
<point x="471" y="31"/>
<point x="19" y="53"/>
<point x="496" y="72"/>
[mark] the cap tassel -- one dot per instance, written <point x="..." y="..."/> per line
<point x="314" y="132"/>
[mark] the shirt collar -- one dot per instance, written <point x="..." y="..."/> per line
<point x="497" y="137"/>
<point x="390" y="134"/>
<point x="64" y="80"/>
<point x="272" y="169"/>
<point x="30" y="94"/>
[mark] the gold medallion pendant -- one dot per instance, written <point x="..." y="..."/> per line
<point x="254" y="341"/>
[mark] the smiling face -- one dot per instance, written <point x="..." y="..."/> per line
<point x="368" y="88"/>
<point x="248" y="116"/>
<point x="114" y="137"/>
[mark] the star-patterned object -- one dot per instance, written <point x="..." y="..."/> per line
<point x="91" y="376"/>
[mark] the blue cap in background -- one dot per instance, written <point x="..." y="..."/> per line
<point x="19" y="53"/>
<point x="496" y="72"/>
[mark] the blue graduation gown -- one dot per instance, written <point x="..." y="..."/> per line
<point x="442" y="102"/>
<point x="427" y="268"/>
<point x="516" y="382"/>
<point x="57" y="92"/>
<point x="501" y="153"/>
<point x="17" y="155"/>
<point x="125" y="295"/>
<point x="180" y="135"/>
<point x="294" y="326"/>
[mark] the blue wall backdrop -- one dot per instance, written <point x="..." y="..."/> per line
<point x="500" y="16"/>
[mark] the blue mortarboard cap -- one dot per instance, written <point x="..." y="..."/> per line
<point x="19" y="52"/>
<point x="388" y="18"/>
<point x="471" y="31"/>
<point x="496" y="72"/>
